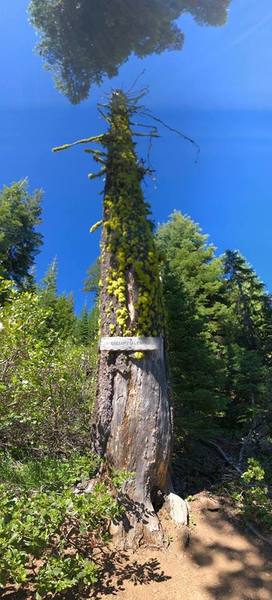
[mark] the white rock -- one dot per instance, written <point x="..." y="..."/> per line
<point x="178" y="509"/>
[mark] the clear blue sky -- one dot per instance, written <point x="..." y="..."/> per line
<point x="218" y="89"/>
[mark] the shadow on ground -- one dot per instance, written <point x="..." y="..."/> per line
<point x="240" y="563"/>
<point x="119" y="568"/>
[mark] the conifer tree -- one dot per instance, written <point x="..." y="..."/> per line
<point x="84" y="41"/>
<point x="195" y="308"/>
<point x="91" y="284"/>
<point x="20" y="213"/>
<point x="49" y="281"/>
<point x="93" y="321"/>
<point x="62" y="318"/>
<point x="83" y="327"/>
<point x="249" y="345"/>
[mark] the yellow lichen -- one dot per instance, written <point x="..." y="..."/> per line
<point x="138" y="355"/>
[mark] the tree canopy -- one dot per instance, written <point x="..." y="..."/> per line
<point x="82" y="41"/>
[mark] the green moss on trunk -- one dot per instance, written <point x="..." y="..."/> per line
<point x="131" y="275"/>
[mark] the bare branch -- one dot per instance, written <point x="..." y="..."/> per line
<point x="96" y="138"/>
<point x="99" y="174"/>
<point x="183" y="135"/>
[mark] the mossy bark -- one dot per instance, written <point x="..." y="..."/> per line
<point x="131" y="424"/>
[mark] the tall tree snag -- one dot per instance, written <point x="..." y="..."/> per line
<point x="131" y="420"/>
<point x="131" y="423"/>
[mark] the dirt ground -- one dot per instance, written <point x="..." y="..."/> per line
<point x="222" y="561"/>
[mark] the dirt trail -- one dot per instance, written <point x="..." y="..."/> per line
<point x="222" y="561"/>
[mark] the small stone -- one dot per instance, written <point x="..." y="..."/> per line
<point x="178" y="509"/>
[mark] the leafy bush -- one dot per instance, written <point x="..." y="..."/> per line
<point x="47" y="383"/>
<point x="47" y="532"/>
<point x="252" y="495"/>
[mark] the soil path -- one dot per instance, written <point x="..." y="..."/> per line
<point x="222" y="562"/>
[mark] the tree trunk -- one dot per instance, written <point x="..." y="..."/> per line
<point x="132" y="430"/>
<point x="131" y="422"/>
<point x="131" y="426"/>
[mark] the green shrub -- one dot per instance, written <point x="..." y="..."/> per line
<point x="47" y="532"/>
<point x="47" y="383"/>
<point x="256" y="501"/>
<point x="252" y="495"/>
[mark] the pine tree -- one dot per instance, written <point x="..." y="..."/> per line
<point x="219" y="336"/>
<point x="49" y="281"/>
<point x="93" y="322"/>
<point x="20" y="213"/>
<point x="62" y="318"/>
<point x="249" y="345"/>
<point x="194" y="308"/>
<point x="91" y="283"/>
<point x="83" y="327"/>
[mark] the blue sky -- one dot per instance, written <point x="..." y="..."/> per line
<point x="218" y="90"/>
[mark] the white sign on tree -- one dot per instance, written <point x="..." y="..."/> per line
<point x="131" y="344"/>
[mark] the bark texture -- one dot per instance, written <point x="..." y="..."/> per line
<point x="131" y="425"/>
<point x="132" y="429"/>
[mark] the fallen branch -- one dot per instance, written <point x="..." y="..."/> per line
<point x="223" y="454"/>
